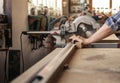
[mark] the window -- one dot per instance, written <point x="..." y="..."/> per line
<point x="104" y="6"/>
<point x="1" y="6"/>
<point x="115" y="6"/>
<point x="56" y="5"/>
<point x="101" y="6"/>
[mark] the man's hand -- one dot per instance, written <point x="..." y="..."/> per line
<point x="77" y="40"/>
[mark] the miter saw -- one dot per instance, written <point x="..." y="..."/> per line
<point x="84" y="28"/>
<point x="65" y="30"/>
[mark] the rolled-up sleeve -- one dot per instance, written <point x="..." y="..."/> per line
<point x="114" y="21"/>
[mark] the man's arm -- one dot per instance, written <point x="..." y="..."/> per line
<point x="103" y="32"/>
<point x="107" y="29"/>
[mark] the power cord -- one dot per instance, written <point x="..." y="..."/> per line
<point x="25" y="33"/>
<point x="22" y="52"/>
<point x="6" y="58"/>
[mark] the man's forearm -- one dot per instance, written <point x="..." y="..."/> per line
<point x="103" y="32"/>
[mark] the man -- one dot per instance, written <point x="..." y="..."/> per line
<point x="107" y="29"/>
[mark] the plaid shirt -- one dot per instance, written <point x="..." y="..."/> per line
<point x="114" y="21"/>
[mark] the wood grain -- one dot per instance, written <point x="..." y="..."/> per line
<point x="93" y="65"/>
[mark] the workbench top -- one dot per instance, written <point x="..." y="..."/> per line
<point x="93" y="65"/>
<point x="87" y="65"/>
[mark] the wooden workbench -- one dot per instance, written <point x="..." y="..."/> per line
<point x="87" y="65"/>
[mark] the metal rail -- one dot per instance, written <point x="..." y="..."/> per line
<point x="40" y="32"/>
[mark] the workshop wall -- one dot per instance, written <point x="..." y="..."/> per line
<point x="19" y="24"/>
<point x="19" y="20"/>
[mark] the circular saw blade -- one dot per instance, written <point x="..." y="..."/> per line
<point x="85" y="30"/>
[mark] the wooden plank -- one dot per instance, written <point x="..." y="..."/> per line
<point x="46" y="67"/>
<point x="110" y="39"/>
<point x="31" y="72"/>
<point x="53" y="66"/>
